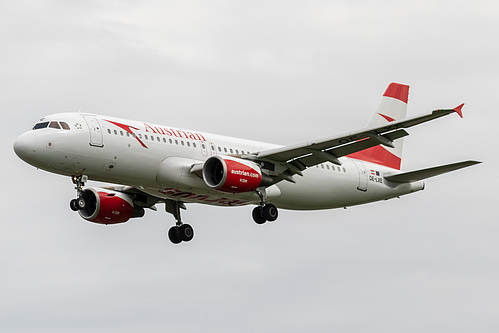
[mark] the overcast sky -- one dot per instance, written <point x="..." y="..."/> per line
<point x="276" y="71"/>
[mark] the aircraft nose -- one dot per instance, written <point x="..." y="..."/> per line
<point x="25" y="147"/>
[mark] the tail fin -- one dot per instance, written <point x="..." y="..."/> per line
<point x="392" y="107"/>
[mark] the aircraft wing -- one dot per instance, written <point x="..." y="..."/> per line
<point x="138" y="196"/>
<point x="297" y="158"/>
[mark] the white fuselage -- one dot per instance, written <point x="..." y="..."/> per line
<point x="158" y="159"/>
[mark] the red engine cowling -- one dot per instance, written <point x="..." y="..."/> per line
<point x="230" y="174"/>
<point x="108" y="207"/>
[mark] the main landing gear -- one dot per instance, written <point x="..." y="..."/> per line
<point x="262" y="214"/>
<point x="265" y="212"/>
<point x="79" y="203"/>
<point x="180" y="232"/>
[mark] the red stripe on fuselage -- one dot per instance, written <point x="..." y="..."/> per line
<point x="128" y="130"/>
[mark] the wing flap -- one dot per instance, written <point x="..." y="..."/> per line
<point x="313" y="157"/>
<point x="367" y="143"/>
<point x="413" y="176"/>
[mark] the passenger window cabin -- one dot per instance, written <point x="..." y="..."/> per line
<point x="150" y="137"/>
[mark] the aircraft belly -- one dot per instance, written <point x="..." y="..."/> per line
<point x="207" y="197"/>
<point x="317" y="189"/>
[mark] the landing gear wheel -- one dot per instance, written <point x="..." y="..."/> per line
<point x="77" y="204"/>
<point x="80" y="203"/>
<point x="73" y="205"/>
<point x="186" y="232"/>
<point x="269" y="212"/>
<point x="258" y="215"/>
<point x="174" y="235"/>
<point x="180" y="232"/>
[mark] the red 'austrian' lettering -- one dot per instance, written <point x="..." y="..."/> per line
<point x="174" y="132"/>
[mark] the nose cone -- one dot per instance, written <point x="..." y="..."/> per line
<point x="25" y="147"/>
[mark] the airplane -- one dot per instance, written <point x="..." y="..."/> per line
<point x="162" y="164"/>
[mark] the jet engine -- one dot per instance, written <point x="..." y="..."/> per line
<point x="108" y="207"/>
<point x="235" y="175"/>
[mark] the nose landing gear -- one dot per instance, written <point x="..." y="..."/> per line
<point x="79" y="203"/>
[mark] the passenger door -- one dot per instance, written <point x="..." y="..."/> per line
<point x="362" y="176"/>
<point x="95" y="131"/>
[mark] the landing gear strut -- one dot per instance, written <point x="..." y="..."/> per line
<point x="78" y="203"/>
<point x="180" y="232"/>
<point x="265" y="212"/>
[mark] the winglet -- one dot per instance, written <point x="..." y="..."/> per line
<point x="458" y="110"/>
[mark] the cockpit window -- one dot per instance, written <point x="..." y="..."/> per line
<point x="54" y="124"/>
<point x="41" y="125"/>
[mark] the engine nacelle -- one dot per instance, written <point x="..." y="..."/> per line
<point x="230" y="174"/>
<point x="108" y="207"/>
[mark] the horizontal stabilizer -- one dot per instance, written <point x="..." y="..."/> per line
<point x="413" y="176"/>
